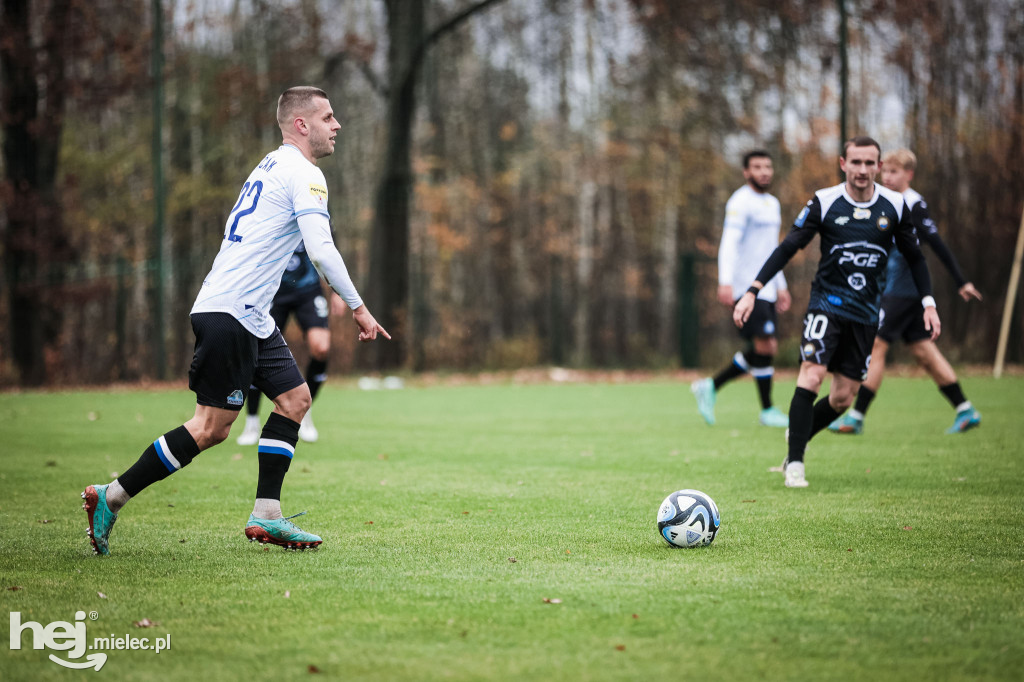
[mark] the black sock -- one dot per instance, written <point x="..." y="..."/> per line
<point x="801" y="418"/>
<point x="824" y="414"/>
<point x="168" y="453"/>
<point x="276" y="448"/>
<point x="252" y="404"/>
<point x="316" y="374"/>
<point x="763" y="372"/>
<point x="731" y="371"/>
<point x="953" y="394"/>
<point x="864" y="397"/>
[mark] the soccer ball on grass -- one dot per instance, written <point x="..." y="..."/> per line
<point x="688" y="518"/>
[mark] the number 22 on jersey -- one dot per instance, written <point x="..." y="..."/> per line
<point x="248" y="191"/>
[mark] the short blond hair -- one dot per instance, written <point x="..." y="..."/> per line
<point x="296" y="101"/>
<point x="904" y="158"/>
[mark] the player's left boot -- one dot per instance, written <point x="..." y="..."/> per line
<point x="308" y="432"/>
<point x="773" y="416"/>
<point x="281" y="532"/>
<point x="704" y="391"/>
<point x="847" y="424"/>
<point x="101" y="519"/>
<point x="965" y="420"/>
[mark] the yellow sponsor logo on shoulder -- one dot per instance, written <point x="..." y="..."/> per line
<point x="319" y="191"/>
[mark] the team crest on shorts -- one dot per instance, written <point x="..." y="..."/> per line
<point x="236" y="397"/>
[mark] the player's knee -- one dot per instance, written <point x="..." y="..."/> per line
<point x="840" y="401"/>
<point x="295" y="403"/>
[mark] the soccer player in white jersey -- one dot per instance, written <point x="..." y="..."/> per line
<point x="750" y="234"/>
<point x="283" y="202"/>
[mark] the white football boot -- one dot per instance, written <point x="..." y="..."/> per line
<point x="795" y="475"/>
<point x="308" y="432"/>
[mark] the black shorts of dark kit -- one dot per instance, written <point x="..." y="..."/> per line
<point x="901" y="318"/>
<point x="310" y="309"/>
<point x="843" y="346"/>
<point x="762" y="321"/>
<point x="228" y="359"/>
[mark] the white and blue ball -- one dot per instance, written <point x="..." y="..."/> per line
<point x="688" y="518"/>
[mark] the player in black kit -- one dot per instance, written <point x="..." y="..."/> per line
<point x="300" y="294"/>
<point x="858" y="222"/>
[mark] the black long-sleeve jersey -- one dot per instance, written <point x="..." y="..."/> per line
<point x="898" y="280"/>
<point x="855" y="241"/>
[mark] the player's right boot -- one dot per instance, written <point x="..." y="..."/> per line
<point x="847" y="424"/>
<point x="101" y="519"/>
<point x="704" y="391"/>
<point x="965" y="420"/>
<point x="795" y="477"/>
<point x="280" y="532"/>
<point x="251" y="434"/>
<point x="773" y="416"/>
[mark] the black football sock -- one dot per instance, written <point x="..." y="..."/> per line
<point x="824" y="414"/>
<point x="252" y="404"/>
<point x="316" y="374"/>
<point x="277" y="446"/>
<point x="737" y="368"/>
<point x="763" y="372"/>
<point x="801" y="418"/>
<point x="953" y="394"/>
<point x="864" y="397"/>
<point x="168" y="453"/>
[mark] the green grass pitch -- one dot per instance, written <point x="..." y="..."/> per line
<point x="508" y="532"/>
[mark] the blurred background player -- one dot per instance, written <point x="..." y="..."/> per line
<point x="900" y="316"/>
<point x="858" y="221"/>
<point x="300" y="294"/>
<point x="750" y="234"/>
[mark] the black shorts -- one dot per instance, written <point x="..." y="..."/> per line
<point x="842" y="345"/>
<point x="310" y="310"/>
<point x="762" y="320"/>
<point x="901" y="317"/>
<point x="228" y="359"/>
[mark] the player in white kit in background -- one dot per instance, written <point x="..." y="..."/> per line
<point x="753" y="221"/>
<point x="282" y="203"/>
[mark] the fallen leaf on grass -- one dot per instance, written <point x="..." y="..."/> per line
<point x="101" y="595"/>
<point x="145" y="623"/>
<point x="636" y="615"/>
<point x="368" y="523"/>
<point x="313" y="669"/>
<point x="51" y="463"/>
<point x="45" y="521"/>
<point x="512" y="560"/>
<point x="750" y="500"/>
<point x="182" y="540"/>
<point x="15" y="588"/>
<point x="867" y="471"/>
<point x="552" y="601"/>
<point x="908" y="528"/>
<point x="620" y="647"/>
<point x="236" y="457"/>
<point x="287" y="594"/>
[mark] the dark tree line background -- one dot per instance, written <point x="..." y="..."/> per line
<point x="516" y="182"/>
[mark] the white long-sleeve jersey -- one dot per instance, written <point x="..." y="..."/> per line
<point x="749" y="235"/>
<point x="283" y="202"/>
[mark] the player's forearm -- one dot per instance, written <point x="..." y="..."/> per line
<point x="794" y="241"/>
<point x="316" y="233"/>
<point x="946" y="256"/>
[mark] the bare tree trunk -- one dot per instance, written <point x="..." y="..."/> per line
<point x="32" y="124"/>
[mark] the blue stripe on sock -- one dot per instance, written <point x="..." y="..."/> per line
<point x="275" y="451"/>
<point x="163" y="457"/>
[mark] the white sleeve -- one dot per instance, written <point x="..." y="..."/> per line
<point x="728" y="249"/>
<point x="316" y="233"/>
